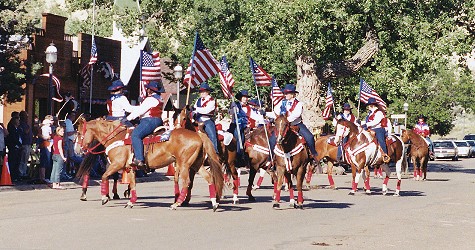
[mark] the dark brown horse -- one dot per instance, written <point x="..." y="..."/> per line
<point x="419" y="152"/>
<point x="291" y="158"/>
<point x="362" y="150"/>
<point x="184" y="148"/>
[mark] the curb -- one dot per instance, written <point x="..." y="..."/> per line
<point x="72" y="184"/>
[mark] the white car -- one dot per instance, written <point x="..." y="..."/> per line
<point x="472" y="145"/>
<point x="446" y="149"/>
<point x="463" y="148"/>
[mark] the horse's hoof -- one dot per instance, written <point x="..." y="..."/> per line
<point x="215" y="207"/>
<point x="276" y="205"/>
<point x="396" y="194"/>
<point x="174" y="206"/>
<point x="333" y="187"/>
<point x="385" y="192"/>
<point x="292" y="203"/>
<point x="298" y="206"/>
<point x="104" y="201"/>
<point x="83" y="197"/>
<point x="116" y="197"/>
<point x="251" y="198"/>
<point x="351" y="193"/>
<point x="129" y="205"/>
<point x="368" y="192"/>
<point x="254" y="188"/>
<point x="185" y="203"/>
<point x="127" y="193"/>
<point x="235" y="201"/>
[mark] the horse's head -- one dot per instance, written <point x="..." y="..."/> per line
<point x="405" y="135"/>
<point x="282" y="126"/>
<point x="85" y="135"/>
<point x="182" y="118"/>
<point x="343" y="129"/>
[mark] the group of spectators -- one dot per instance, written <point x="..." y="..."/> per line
<point x="53" y="140"/>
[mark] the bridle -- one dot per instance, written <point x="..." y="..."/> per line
<point x="286" y="129"/>
<point x="104" y="140"/>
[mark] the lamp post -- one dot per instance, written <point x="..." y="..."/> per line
<point x="178" y="73"/>
<point x="51" y="57"/>
<point x="406" y="108"/>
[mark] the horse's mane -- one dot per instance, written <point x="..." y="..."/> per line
<point x="348" y="124"/>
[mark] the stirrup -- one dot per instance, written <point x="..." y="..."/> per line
<point x="386" y="158"/>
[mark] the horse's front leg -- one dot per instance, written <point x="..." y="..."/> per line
<point x="330" y="174"/>
<point x="300" y="178"/>
<point x="85" y="183"/>
<point x="354" y="184"/>
<point x="288" y="178"/>
<point x="278" y="186"/>
<point x="132" y="187"/>
<point x="252" y="175"/>
<point x="185" y="182"/>
<point x="114" y="187"/>
<point x="366" y="179"/>
<point x="387" y="170"/>
<point x="203" y="173"/>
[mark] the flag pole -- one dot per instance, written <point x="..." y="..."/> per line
<point x="359" y="102"/>
<point x="260" y="108"/>
<point x="238" y="128"/>
<point x="141" y="87"/>
<point x="333" y="99"/>
<point x="191" y="69"/>
<point x="92" y="65"/>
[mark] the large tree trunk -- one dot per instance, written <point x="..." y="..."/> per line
<point x="308" y="86"/>
<point x="310" y="78"/>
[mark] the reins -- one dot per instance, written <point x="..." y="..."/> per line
<point x="104" y="140"/>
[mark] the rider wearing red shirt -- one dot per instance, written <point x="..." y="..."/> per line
<point x="423" y="130"/>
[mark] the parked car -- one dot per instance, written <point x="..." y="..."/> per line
<point x="472" y="147"/>
<point x="463" y="148"/>
<point x="446" y="149"/>
<point x="469" y="137"/>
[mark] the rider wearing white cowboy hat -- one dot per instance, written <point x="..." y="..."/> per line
<point x="204" y="110"/>
<point x="375" y="120"/>
<point x="150" y="113"/>
<point x="293" y="109"/>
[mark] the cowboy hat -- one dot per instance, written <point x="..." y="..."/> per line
<point x="155" y="86"/>
<point x="242" y="93"/>
<point x="116" y="85"/>
<point x="289" y="88"/>
<point x="372" y="101"/>
<point x="346" y="106"/>
<point x="205" y="87"/>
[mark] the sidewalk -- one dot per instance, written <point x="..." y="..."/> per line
<point x="158" y="175"/>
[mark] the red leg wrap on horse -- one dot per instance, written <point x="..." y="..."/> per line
<point x="133" y="196"/>
<point x="366" y="183"/>
<point x="277" y="195"/>
<point x="239" y="181"/>
<point x="386" y="180"/>
<point x="182" y="196"/>
<point x="330" y="180"/>
<point x="177" y="189"/>
<point x="398" y="187"/>
<point x="105" y="187"/>
<point x="353" y="185"/>
<point x="85" y="181"/>
<point x="380" y="171"/>
<point x="212" y="190"/>
<point x="300" y="197"/>
<point x="375" y="172"/>
<point x="275" y="187"/>
<point x="291" y="193"/>
<point x="259" y="181"/>
<point x="420" y="172"/>
<point x="415" y="172"/>
<point x="236" y="186"/>
<point x="226" y="177"/>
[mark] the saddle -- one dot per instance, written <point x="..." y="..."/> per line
<point x="160" y="134"/>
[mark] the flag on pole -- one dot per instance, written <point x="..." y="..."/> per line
<point x="203" y="63"/>
<point x="226" y="78"/>
<point x="93" y="52"/>
<point x="367" y="92"/>
<point x="328" y="103"/>
<point x="276" y="93"/>
<point x="150" y="70"/>
<point x="85" y="73"/>
<point x="261" y="78"/>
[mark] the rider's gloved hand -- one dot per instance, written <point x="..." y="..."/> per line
<point x="358" y="121"/>
<point x="125" y="122"/>
<point x="364" y="126"/>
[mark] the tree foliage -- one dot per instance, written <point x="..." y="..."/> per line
<point x="415" y="60"/>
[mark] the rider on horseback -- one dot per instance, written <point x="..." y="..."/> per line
<point x="423" y="130"/>
<point x="293" y="109"/>
<point x="204" y="110"/>
<point x="240" y="109"/>
<point x="150" y="111"/>
<point x="376" y="121"/>
<point x="345" y="115"/>
<point x="255" y="114"/>
<point x="118" y="104"/>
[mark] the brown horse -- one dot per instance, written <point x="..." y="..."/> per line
<point x="362" y="150"/>
<point x="184" y="148"/>
<point x="328" y="152"/>
<point x="419" y="152"/>
<point x="292" y="157"/>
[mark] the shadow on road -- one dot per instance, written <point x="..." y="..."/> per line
<point x="326" y="204"/>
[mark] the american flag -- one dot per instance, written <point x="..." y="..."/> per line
<point x="151" y="70"/>
<point x="276" y="94"/>
<point x="328" y="103"/>
<point x="93" y="52"/>
<point x="226" y="78"/>
<point x="203" y="63"/>
<point x="57" y="86"/>
<point x="367" y="92"/>
<point x="261" y="78"/>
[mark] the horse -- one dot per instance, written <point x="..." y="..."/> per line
<point x="292" y="158"/>
<point x="184" y="148"/>
<point x="227" y="153"/>
<point x="419" y="152"/>
<point x="362" y="150"/>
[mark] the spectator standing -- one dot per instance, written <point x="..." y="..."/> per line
<point x="3" y="134"/>
<point x="58" y="158"/>
<point x="14" y="147"/>
<point x="69" y="137"/>
<point x="26" y="135"/>
<point x="45" y="144"/>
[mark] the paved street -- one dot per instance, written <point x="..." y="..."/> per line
<point x="435" y="214"/>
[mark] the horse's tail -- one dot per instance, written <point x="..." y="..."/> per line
<point x="87" y="163"/>
<point x="215" y="165"/>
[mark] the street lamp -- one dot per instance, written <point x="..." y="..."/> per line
<point x="51" y="57"/>
<point x="406" y="108"/>
<point x="178" y="73"/>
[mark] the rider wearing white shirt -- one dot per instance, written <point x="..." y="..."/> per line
<point x="117" y="104"/>
<point x="376" y="121"/>
<point x="204" y="110"/>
